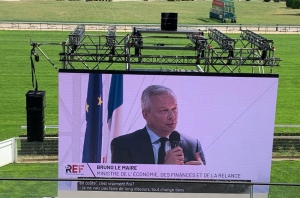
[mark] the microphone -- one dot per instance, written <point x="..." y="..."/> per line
<point x="174" y="139"/>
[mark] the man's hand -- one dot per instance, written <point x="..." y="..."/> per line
<point x="174" y="156"/>
<point x="198" y="160"/>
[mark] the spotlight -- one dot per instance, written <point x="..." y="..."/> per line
<point x="36" y="55"/>
<point x="264" y="55"/>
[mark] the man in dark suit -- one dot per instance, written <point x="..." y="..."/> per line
<point x="151" y="144"/>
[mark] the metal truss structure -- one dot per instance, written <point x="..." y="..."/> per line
<point x="156" y="49"/>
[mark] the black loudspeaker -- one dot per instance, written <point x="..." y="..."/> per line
<point x="35" y="104"/>
<point x="169" y="21"/>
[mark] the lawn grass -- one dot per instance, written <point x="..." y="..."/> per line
<point x="289" y="81"/>
<point x="285" y="172"/>
<point x="189" y="12"/>
<point x="281" y="172"/>
<point x="15" y="79"/>
<point x="17" y="189"/>
<point x="15" y="76"/>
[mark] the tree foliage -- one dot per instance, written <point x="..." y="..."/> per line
<point x="295" y="4"/>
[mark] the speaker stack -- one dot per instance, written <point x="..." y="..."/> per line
<point x="35" y="104"/>
<point x="169" y="21"/>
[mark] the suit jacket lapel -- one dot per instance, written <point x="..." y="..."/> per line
<point x="145" y="147"/>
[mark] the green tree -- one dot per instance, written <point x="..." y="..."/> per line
<point x="296" y="4"/>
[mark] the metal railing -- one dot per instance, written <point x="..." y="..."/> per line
<point x="226" y="28"/>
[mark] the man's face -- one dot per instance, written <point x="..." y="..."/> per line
<point x="162" y="117"/>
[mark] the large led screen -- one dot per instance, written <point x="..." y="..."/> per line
<point x="223" y="127"/>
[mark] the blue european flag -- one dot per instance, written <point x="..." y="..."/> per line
<point x="93" y="108"/>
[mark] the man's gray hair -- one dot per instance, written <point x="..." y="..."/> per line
<point x="154" y="90"/>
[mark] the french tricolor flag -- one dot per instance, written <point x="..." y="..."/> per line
<point x="114" y="115"/>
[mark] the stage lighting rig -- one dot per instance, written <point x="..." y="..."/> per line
<point x="111" y="39"/>
<point x="264" y="45"/>
<point x="199" y="40"/>
<point x="223" y="41"/>
<point x="200" y="43"/>
<point x="111" y="36"/>
<point x="213" y="53"/>
<point x="76" y="37"/>
<point x="136" y="41"/>
<point x="257" y="40"/>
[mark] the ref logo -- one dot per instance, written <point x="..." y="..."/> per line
<point x="75" y="168"/>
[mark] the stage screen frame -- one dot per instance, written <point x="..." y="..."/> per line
<point x="216" y="103"/>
